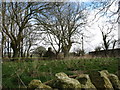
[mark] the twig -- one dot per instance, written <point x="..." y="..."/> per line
<point x="21" y="80"/>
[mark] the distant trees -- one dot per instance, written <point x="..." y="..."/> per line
<point x="79" y="52"/>
<point x="107" y="35"/>
<point x="40" y="51"/>
<point x="50" y="54"/>
<point x="98" y="48"/>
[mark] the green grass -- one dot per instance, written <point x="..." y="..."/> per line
<point x="18" y="74"/>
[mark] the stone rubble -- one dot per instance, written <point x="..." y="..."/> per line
<point x="98" y="80"/>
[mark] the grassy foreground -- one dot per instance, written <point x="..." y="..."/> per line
<point x="19" y="74"/>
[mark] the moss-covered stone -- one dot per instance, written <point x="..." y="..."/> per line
<point x="107" y="83"/>
<point x="34" y="84"/>
<point x="43" y="86"/>
<point x="37" y="84"/>
<point x="115" y="81"/>
<point x="61" y="75"/>
<point x="100" y="80"/>
<point x="85" y="81"/>
<point x="63" y="81"/>
<point x="104" y="73"/>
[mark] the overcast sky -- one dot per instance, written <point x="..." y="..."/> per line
<point x="94" y="35"/>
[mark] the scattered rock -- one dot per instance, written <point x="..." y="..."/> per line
<point x="51" y="83"/>
<point x="85" y="81"/>
<point x="43" y="86"/>
<point x="107" y="83"/>
<point x="104" y="73"/>
<point x="115" y="81"/>
<point x="61" y="75"/>
<point x="63" y="81"/>
<point x="34" y="84"/>
<point x="100" y="80"/>
<point x="37" y="84"/>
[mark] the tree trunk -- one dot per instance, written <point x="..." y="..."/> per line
<point x="15" y="54"/>
<point x="15" y="51"/>
<point x="5" y="49"/>
<point x="66" y="50"/>
<point x="2" y="47"/>
<point x="8" y="48"/>
<point x="28" y="50"/>
<point x="66" y="53"/>
<point x="21" y="51"/>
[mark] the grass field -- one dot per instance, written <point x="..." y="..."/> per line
<point x="19" y="74"/>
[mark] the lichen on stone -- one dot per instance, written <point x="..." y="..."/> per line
<point x="115" y="81"/>
<point x="85" y="81"/>
<point x="34" y="83"/>
<point x="63" y="81"/>
<point x="37" y="84"/>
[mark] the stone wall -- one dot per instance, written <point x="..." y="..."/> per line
<point x="101" y="80"/>
<point x="102" y="53"/>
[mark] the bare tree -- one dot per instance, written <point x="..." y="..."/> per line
<point x="62" y="24"/>
<point x="30" y="37"/>
<point x="108" y="36"/>
<point x="103" y="8"/>
<point x="17" y="16"/>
